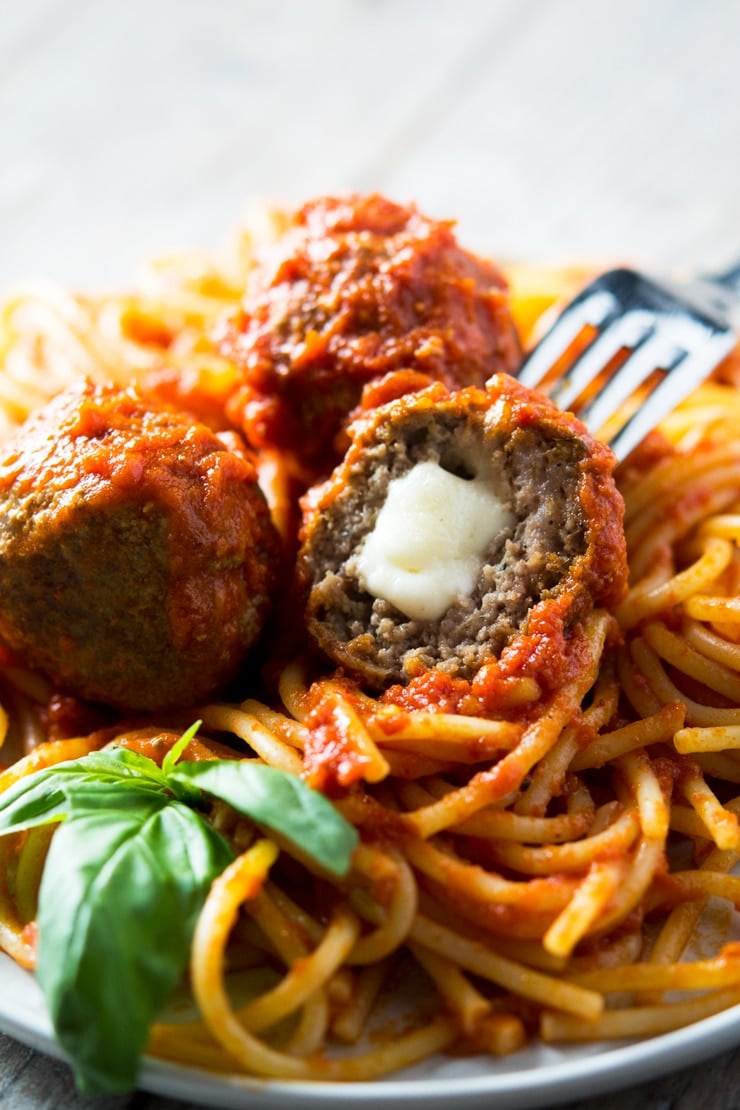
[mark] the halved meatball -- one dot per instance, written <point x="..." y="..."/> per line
<point x="452" y="519"/>
<point x="137" y="553"/>
<point x="359" y="288"/>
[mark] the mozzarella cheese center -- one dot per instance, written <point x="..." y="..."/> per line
<point x="426" y="549"/>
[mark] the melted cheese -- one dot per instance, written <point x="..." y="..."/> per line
<point x="426" y="549"/>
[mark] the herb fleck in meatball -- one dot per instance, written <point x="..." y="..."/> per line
<point x="137" y="554"/>
<point x="357" y="289"/>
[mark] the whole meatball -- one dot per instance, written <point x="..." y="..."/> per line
<point x="137" y="554"/>
<point x="357" y="289"/>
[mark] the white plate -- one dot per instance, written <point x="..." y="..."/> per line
<point x="538" y="1076"/>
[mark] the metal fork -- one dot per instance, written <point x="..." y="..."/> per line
<point x="629" y="348"/>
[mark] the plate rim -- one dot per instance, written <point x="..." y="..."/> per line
<point x="583" y="1071"/>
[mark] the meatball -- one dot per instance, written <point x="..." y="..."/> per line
<point x="454" y="522"/>
<point x="137" y="553"/>
<point x="357" y="289"/>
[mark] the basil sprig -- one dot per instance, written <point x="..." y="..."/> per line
<point x="125" y="879"/>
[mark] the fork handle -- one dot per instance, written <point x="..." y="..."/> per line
<point x="723" y="289"/>
<point x="729" y="279"/>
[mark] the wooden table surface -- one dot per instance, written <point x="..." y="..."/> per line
<point x="552" y="129"/>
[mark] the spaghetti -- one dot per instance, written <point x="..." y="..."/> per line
<point x="544" y="871"/>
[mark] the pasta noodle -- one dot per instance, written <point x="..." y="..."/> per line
<point x="519" y="876"/>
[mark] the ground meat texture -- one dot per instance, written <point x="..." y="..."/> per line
<point x="357" y="289"/>
<point x="137" y="554"/>
<point x="562" y="543"/>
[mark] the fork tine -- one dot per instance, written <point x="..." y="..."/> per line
<point x="674" y="388"/>
<point x="592" y="309"/>
<point x="659" y="351"/>
<point x="684" y="331"/>
<point x="629" y="331"/>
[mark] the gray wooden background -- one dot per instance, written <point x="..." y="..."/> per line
<point x="552" y="129"/>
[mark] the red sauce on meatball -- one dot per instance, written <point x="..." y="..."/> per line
<point x="137" y="554"/>
<point x="360" y="288"/>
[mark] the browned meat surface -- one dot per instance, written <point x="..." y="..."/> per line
<point x="558" y="542"/>
<point x="137" y="554"/>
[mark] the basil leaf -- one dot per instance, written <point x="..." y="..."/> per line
<point x="123" y="765"/>
<point x="32" y="801"/>
<point x="282" y="803"/>
<point x="179" y="747"/>
<point x="118" y="903"/>
<point x="75" y="785"/>
<point x="119" y="763"/>
<point x="126" y="876"/>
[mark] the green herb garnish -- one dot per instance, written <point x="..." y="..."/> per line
<point x="126" y="876"/>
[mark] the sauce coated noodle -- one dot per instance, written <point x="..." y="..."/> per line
<point x="546" y="902"/>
